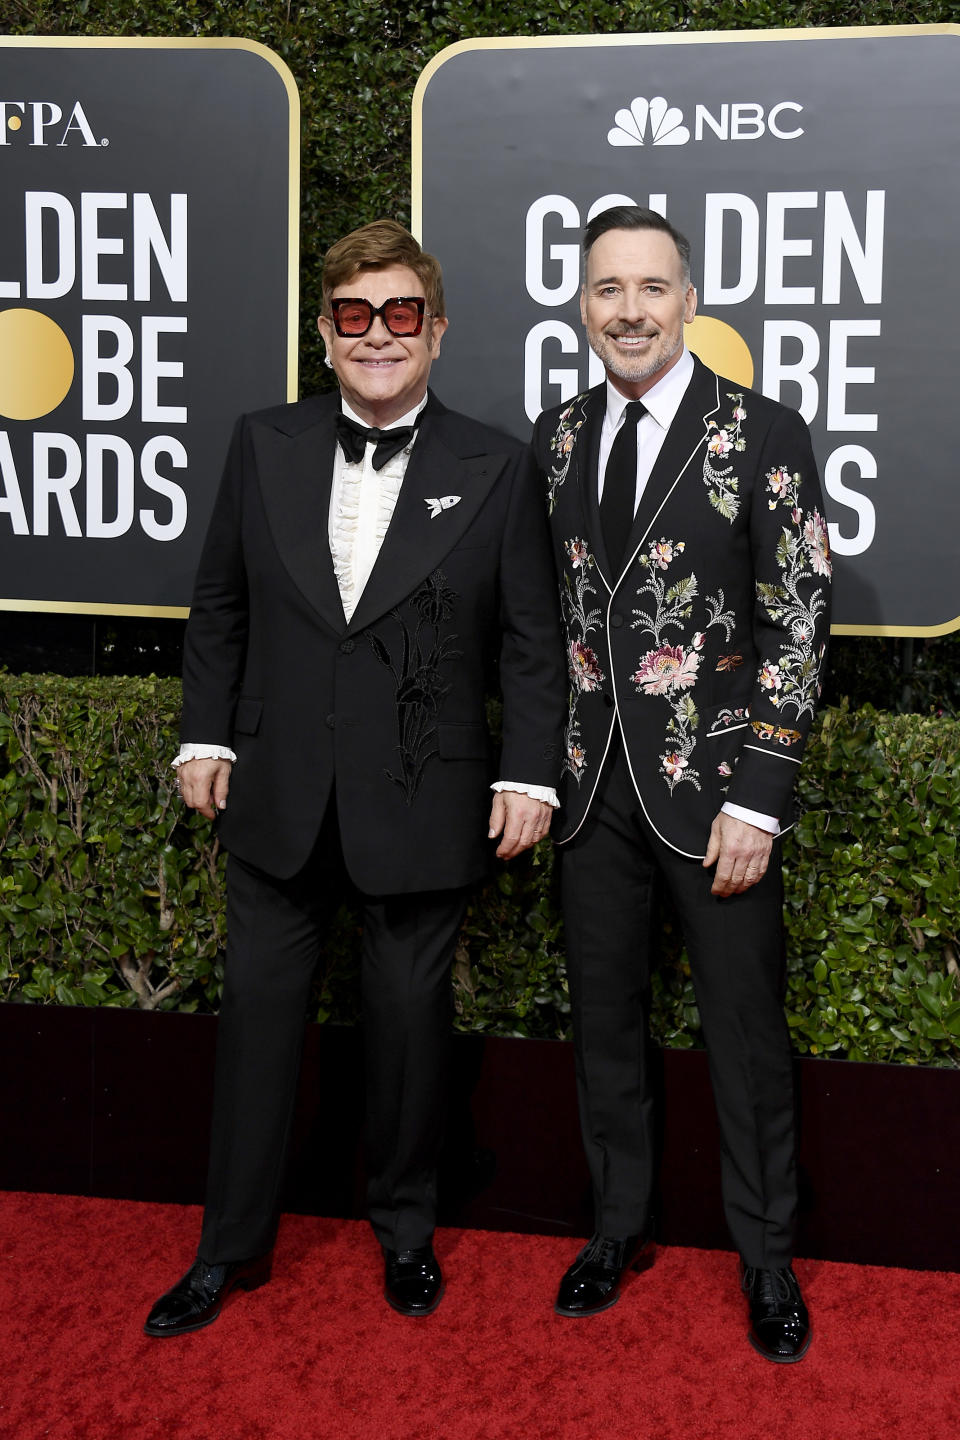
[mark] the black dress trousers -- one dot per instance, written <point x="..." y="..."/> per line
<point x="275" y="937"/>
<point x="736" y="952"/>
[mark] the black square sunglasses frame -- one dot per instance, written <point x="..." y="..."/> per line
<point x="374" y="310"/>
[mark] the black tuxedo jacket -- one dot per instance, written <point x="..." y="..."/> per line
<point x="707" y="643"/>
<point x="390" y="708"/>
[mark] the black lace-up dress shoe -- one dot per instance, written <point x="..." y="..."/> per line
<point x="593" y="1281"/>
<point x="197" y="1299"/>
<point x="779" y="1323"/>
<point x="412" y="1280"/>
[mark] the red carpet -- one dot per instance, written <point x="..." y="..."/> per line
<point x="318" y="1355"/>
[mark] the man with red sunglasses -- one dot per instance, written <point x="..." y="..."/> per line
<point x="372" y="558"/>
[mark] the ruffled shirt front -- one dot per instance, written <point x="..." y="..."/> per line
<point x="362" y="502"/>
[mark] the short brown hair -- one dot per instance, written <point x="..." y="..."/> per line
<point x="379" y="246"/>
<point x="634" y="217"/>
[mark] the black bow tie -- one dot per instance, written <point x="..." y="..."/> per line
<point x="354" y="438"/>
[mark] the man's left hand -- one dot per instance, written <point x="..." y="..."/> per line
<point x="741" y="853"/>
<point x="521" y="820"/>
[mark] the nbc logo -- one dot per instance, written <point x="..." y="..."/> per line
<point x="654" y="122"/>
<point x="665" y="122"/>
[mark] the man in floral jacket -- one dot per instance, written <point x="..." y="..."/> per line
<point x="688" y="526"/>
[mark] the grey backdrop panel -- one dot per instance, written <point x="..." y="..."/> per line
<point x="504" y="125"/>
<point x="212" y="122"/>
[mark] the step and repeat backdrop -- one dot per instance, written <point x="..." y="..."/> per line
<point x="148" y="274"/>
<point x="817" y="176"/>
<point x="148" y="295"/>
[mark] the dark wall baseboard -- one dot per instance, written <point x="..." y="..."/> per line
<point x="116" y="1103"/>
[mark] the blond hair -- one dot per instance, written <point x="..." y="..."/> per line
<point x="379" y="246"/>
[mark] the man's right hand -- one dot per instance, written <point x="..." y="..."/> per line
<point x="204" y="784"/>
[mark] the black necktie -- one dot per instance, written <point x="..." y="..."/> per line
<point x="619" y="499"/>
<point x="354" y="438"/>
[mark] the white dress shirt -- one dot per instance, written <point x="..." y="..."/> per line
<point x="662" y="401"/>
<point x="362" y="502"/>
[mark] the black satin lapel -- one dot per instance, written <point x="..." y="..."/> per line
<point x="296" y="472"/>
<point x="588" y="486"/>
<point x="682" y="449"/>
<point x="420" y="533"/>
<point x="578" y="502"/>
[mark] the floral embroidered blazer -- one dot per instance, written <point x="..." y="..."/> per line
<point x="707" y="648"/>
<point x="388" y="709"/>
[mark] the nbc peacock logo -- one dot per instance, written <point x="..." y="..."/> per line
<point x="649" y="122"/>
<point x="655" y="122"/>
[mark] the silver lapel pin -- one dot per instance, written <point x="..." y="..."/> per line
<point x="446" y="502"/>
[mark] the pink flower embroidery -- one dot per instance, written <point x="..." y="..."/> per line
<point x="583" y="665"/>
<point x="578" y="553"/>
<point x="663" y="551"/>
<point x="577" y="757"/>
<point x="818" y="543"/>
<point x="780" y="485"/>
<point x="719" y="443"/>
<point x="669" y="668"/>
<point x="673" y="763"/>
<point x="770" y="677"/>
<point x="724" y="768"/>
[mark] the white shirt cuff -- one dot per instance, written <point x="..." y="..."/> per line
<point x="202" y="752"/>
<point x="536" y="792"/>
<point x="770" y="823"/>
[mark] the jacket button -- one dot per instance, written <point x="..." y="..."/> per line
<point x="347" y="647"/>
<point x="331" y="721"/>
<point x="616" y="621"/>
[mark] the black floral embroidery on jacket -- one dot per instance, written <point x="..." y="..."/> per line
<point x="420" y="684"/>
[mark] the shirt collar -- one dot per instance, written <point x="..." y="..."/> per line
<point x="407" y="419"/>
<point x="662" y="400"/>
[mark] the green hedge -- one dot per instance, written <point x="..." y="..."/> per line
<point x="111" y="895"/>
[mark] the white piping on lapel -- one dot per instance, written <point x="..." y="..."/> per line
<point x="613" y="677"/>
<point x="613" y="674"/>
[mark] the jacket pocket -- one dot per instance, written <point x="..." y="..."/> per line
<point x="462" y="742"/>
<point x="249" y="712"/>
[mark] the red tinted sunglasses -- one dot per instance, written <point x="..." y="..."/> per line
<point x="403" y="315"/>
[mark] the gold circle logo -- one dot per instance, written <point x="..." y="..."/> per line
<point x="36" y="364"/>
<point x="722" y="348"/>
<point x="14" y="122"/>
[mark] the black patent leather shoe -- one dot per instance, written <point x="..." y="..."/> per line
<point x="593" y="1281"/>
<point x="412" y="1280"/>
<point x="197" y="1299"/>
<point x="779" y="1323"/>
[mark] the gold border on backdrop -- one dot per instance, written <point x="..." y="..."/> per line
<point x="906" y="632"/>
<point x="116" y="42"/>
<point x="701" y="37"/>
